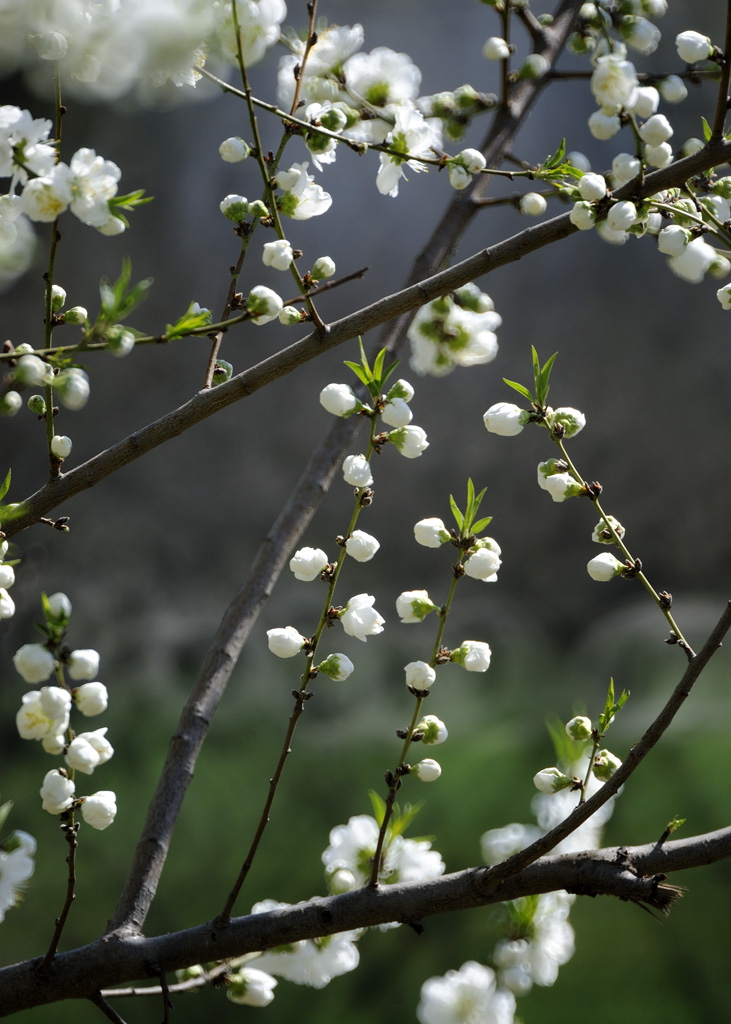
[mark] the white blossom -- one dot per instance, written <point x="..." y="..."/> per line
<point x="410" y="441"/>
<point x="583" y="216"/>
<point x="88" y="750"/>
<point x="308" y="563"/>
<point x="338" y="399"/>
<point x="496" y="49"/>
<point x="467" y="996"/>
<point x="16" y="867"/>
<point x="100" y="809"/>
<point x="614" y="83"/>
<point x="301" y="197"/>
<point x="672" y="89"/>
<point x="337" y="666"/>
<point x="483" y="564"/>
<point x="604" y="567"/>
<point x="285" y="641"/>
<point x="357" y="471"/>
<point x="361" y="546"/>
<point x="360" y="619"/>
<point x="414" y="605"/>
<point x="605" y="765"/>
<point x="603" y="126"/>
<point x="61" y="446"/>
<point x="396" y="413"/>
<point x="250" y="986"/>
<point x="647" y="101"/>
<point x="692" y="46"/>
<point x="695" y="260"/>
<point x="474" y="655"/>
<point x="622" y="215"/>
<point x="505" y="419"/>
<point x="500" y="843"/>
<point x="420" y="676"/>
<point x="263" y="305"/>
<point x="277" y="254"/>
<point x="233" y="150"/>
<point x="57" y="792"/>
<point x="83" y="664"/>
<point x="91" y="699"/>
<point x="7" y="605"/>
<point x="579" y="728"/>
<point x="434" y="730"/>
<point x="34" y="662"/>
<point x="38" y="719"/>
<point x="431" y="533"/>
<point x="411" y="136"/>
<point x="655" y="130"/>
<point x="551" y="780"/>
<point x="592" y="187"/>
<point x="427" y="770"/>
<point x="625" y="167"/>
<point x="533" y="204"/>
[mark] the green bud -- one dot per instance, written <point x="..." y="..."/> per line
<point x="37" y="405"/>
<point x="223" y="371"/>
<point x="10" y="403"/>
<point x="76" y="315"/>
<point x="58" y="297"/>
<point x="605" y="765"/>
<point x="579" y="728"/>
<point x="258" y="210"/>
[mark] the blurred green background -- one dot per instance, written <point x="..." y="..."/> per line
<point x="157" y="551"/>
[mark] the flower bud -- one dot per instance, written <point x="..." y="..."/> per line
<point x="339" y="400"/>
<point x="57" y="792"/>
<point x="61" y="446"/>
<point x="396" y="413"/>
<point x="263" y="305"/>
<point x="601" y="534"/>
<point x="100" y="809"/>
<point x="414" y="606"/>
<point x="34" y="663"/>
<point x="58" y="297"/>
<point x="258" y="209"/>
<point x="308" y="563"/>
<point x="605" y="765"/>
<point x="604" y="567"/>
<point x="434" y="729"/>
<point x="285" y="642"/>
<point x="483" y="565"/>
<point x="222" y="371"/>
<point x="337" y="666"/>
<point x="235" y="208"/>
<point x="233" y="150"/>
<point x="251" y="987"/>
<point x="505" y="419"/>
<point x="592" y="187"/>
<point x="323" y="268"/>
<point x="357" y="471"/>
<point x="59" y="608"/>
<point x="83" y="664"/>
<point x="532" y="204"/>
<point x="360" y="619"/>
<point x="571" y="420"/>
<point x="579" y="728"/>
<point x="551" y="780"/>
<point x="361" y="546"/>
<point x="410" y="441"/>
<point x="427" y="770"/>
<point x="76" y="315"/>
<point x="278" y="254"/>
<point x="10" y="403"/>
<point x="496" y="49"/>
<point x="431" y="533"/>
<point x="91" y="699"/>
<point x="692" y="46"/>
<point x="474" y="655"/>
<point x="583" y="216"/>
<point x="420" y="676"/>
<point x="289" y="316"/>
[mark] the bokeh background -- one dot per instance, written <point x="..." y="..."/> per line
<point x="156" y="552"/>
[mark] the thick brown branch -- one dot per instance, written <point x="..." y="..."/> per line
<point x="627" y="873"/>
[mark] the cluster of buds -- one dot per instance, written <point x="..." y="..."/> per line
<point x="45" y="714"/>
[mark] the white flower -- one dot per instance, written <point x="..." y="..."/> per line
<point x="695" y="260"/>
<point x="72" y="386"/>
<point x="603" y="126"/>
<point x="383" y="77"/>
<point x="278" y="254"/>
<point x="474" y="655"/>
<point x="640" y="34"/>
<point x="263" y="305"/>
<point x="396" y="413"/>
<point x="505" y="419"/>
<point x="622" y="215"/>
<point x="308" y="563"/>
<point x="692" y="46"/>
<point x="34" y="662"/>
<point x="592" y="187"/>
<point x="16" y="867"/>
<point x="251" y="987"/>
<point x="414" y="605"/>
<point x="583" y="217"/>
<point x="61" y="446"/>
<point x="33" y="371"/>
<point x="601" y="534"/>
<point x="59" y="607"/>
<point x="532" y="204"/>
<point x="360" y="619"/>
<point x="551" y="780"/>
<point x="7" y="605"/>
<point x="258" y="21"/>
<point x="625" y="167"/>
<point x="99" y="810"/>
<point x="659" y="156"/>
<point x="88" y="750"/>
<point x="357" y="471"/>
<point x="46" y="198"/>
<point x="93" y="182"/>
<point x="672" y="89"/>
<point x="285" y="641"/>
<point x="434" y="730"/>
<point x="361" y="546"/>
<point x="496" y="49"/>
<point x="411" y="136"/>
<point x="614" y="83"/>
<point x="560" y="485"/>
<point x="234" y="207"/>
<point x="83" y="664"/>
<point x="579" y="728"/>
<point x="656" y="130"/>
<point x="419" y="676"/>
<point x="39" y="719"/>
<point x="724" y="296"/>
<point x="7" y="576"/>
<point x="57" y="792"/>
<point x="338" y="399"/>
<point x="499" y="843"/>
<point x="647" y="101"/>
<point x="301" y="197"/>
<point x="604" y="567"/>
<point x="233" y="150"/>
<point x="91" y="699"/>
<point x="352" y="847"/>
<point x="483" y="564"/>
<point x="467" y="996"/>
<point x="427" y="770"/>
<point x="337" y="666"/>
<point x="410" y="441"/>
<point x="431" y="533"/>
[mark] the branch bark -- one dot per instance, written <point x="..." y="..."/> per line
<point x="626" y="873"/>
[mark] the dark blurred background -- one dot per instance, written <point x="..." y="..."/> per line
<point x="156" y="552"/>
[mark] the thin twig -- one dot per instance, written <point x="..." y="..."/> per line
<point x="70" y="829"/>
<point x="719" y="120"/>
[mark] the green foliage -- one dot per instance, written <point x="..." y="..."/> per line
<point x="375" y="378"/>
<point x="611" y="707"/>
<point x="466" y="523"/>
<point x="194" y="319"/>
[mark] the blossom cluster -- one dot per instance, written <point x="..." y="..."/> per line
<point x="455" y="330"/>
<point x="45" y="715"/>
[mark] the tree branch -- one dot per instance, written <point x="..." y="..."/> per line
<point x="626" y="873"/>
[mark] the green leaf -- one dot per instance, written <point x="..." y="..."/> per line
<point x="611" y="707"/>
<point x="5" y="810"/>
<point x="378" y="805"/>
<point x="378" y="364"/>
<point x="706" y="130"/>
<point x="519" y="388"/>
<point x="556" y="159"/>
<point x="401" y="820"/>
<point x="672" y="826"/>
<point x="542" y="375"/>
<point x="192" y="320"/>
<point x="567" y="751"/>
<point x="459" y="518"/>
<point x="481" y="524"/>
<point x="359" y="372"/>
<point x="5" y="485"/>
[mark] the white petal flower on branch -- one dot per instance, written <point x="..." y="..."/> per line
<point x="583" y="217"/>
<point x="357" y="471"/>
<point x="16" y="867"/>
<point x="34" y="663"/>
<point x="604" y="567"/>
<point x="83" y="664"/>
<point x="263" y="305"/>
<point x="434" y="730"/>
<point x="7" y="605"/>
<point x="625" y="167"/>
<point x="431" y="533"/>
<point x="603" y="126"/>
<point x="483" y="565"/>
<point x="72" y="387"/>
<point x="467" y="996"/>
<point x="411" y="137"/>
<point x="420" y="676"/>
<point x="496" y="49"/>
<point x="57" y="792"/>
<point x="427" y="770"/>
<point x="233" y="150"/>
<point x="339" y="399"/>
<point x="532" y="204"/>
<point x="91" y="699"/>
<point x="383" y="77"/>
<point x="361" y="546"/>
<point x="647" y="101"/>
<point x="301" y="197"/>
<point x="360" y="619"/>
<point x="505" y="419"/>
<point x="396" y="413"/>
<point x="100" y="809"/>
<point x="278" y="254"/>
<point x="308" y="563"/>
<point x="614" y="83"/>
<point x="692" y="46"/>
<point x="592" y="187"/>
<point x="285" y="641"/>
<point x="410" y="441"/>
<point x="337" y="666"/>
<point x="474" y="655"/>
<point x="250" y="986"/>
<point x="414" y="606"/>
<point x="694" y="262"/>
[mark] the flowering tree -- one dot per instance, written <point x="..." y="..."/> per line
<point x="335" y="100"/>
